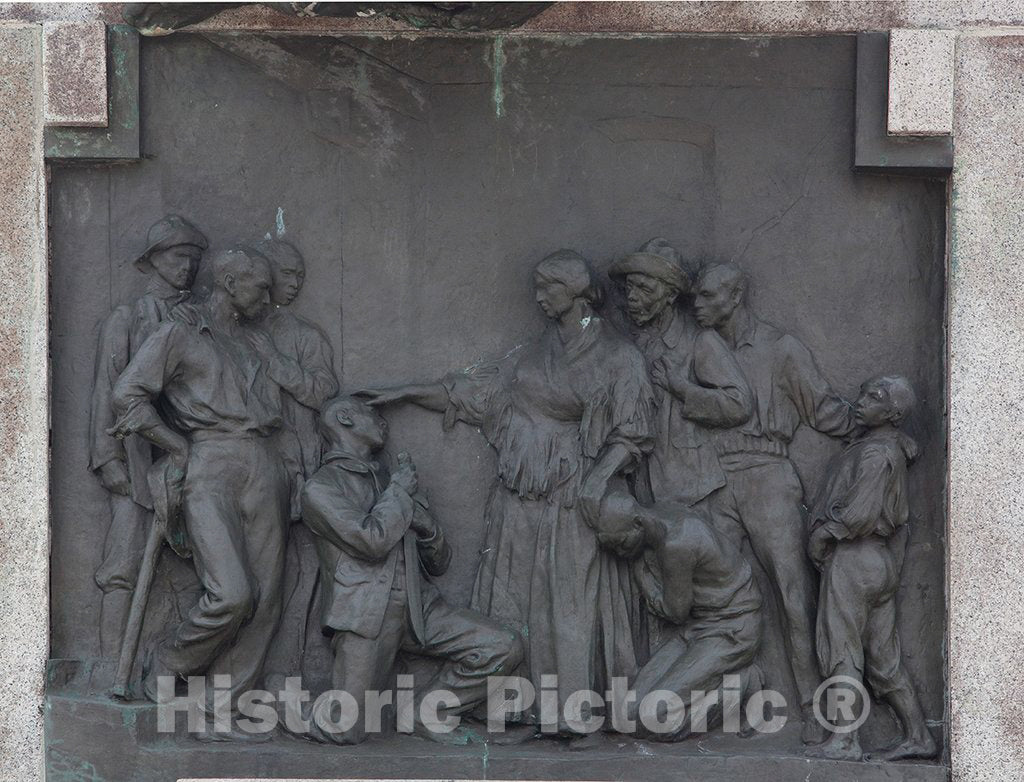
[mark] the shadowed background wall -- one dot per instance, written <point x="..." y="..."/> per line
<point x="422" y="180"/>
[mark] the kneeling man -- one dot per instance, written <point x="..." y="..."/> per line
<point x="376" y="543"/>
<point x="701" y="585"/>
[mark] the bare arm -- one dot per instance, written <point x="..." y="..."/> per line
<point x="678" y="562"/>
<point x="612" y="460"/>
<point x="430" y="396"/>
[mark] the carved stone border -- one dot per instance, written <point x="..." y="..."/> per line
<point x="24" y="407"/>
<point x="986" y="327"/>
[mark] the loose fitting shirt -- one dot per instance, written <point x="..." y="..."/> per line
<point x="683" y="465"/>
<point x="307" y="379"/>
<point x="865" y="492"/>
<point x="549" y="409"/>
<point x="208" y="378"/>
<point x="788" y="390"/>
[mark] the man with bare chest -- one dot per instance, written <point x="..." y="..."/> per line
<point x="700" y="585"/>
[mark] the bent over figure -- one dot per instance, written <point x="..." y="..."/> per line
<point x="695" y="580"/>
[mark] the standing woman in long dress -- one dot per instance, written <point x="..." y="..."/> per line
<point x="567" y="415"/>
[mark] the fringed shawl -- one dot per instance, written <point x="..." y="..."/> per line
<point x="549" y="409"/>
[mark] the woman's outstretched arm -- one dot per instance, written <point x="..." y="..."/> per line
<point x="431" y="396"/>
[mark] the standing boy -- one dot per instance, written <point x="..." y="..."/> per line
<point x="858" y="541"/>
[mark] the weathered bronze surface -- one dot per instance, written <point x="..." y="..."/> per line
<point x="387" y="428"/>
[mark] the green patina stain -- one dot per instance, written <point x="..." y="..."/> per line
<point x="62" y="767"/>
<point x="128" y="717"/>
<point x="131" y="117"/>
<point x="418" y="21"/>
<point x="119" y="140"/>
<point x="498" y="69"/>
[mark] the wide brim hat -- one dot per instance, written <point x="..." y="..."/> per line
<point x="171" y="231"/>
<point x="653" y="265"/>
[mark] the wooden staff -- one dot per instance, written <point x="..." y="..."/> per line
<point x="140" y="597"/>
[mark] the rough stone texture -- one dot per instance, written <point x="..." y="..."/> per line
<point x="775" y="16"/>
<point x="61" y="12"/>
<point x="75" y="73"/>
<point x="875" y="150"/>
<point x="921" y="82"/>
<point x="24" y="498"/>
<point x="770" y="17"/>
<point x="986" y="333"/>
<point x="119" y="140"/>
<point x="986" y="339"/>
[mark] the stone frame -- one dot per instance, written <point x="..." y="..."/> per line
<point x="980" y="85"/>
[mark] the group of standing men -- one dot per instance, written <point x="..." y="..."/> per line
<point x="209" y="422"/>
<point x="731" y="391"/>
<point x="230" y="390"/>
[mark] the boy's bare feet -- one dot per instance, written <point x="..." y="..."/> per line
<point x="916" y="747"/>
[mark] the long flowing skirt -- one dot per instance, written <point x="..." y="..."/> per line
<point x="542" y="574"/>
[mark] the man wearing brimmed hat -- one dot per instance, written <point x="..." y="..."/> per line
<point x="174" y="248"/>
<point x="698" y="384"/>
